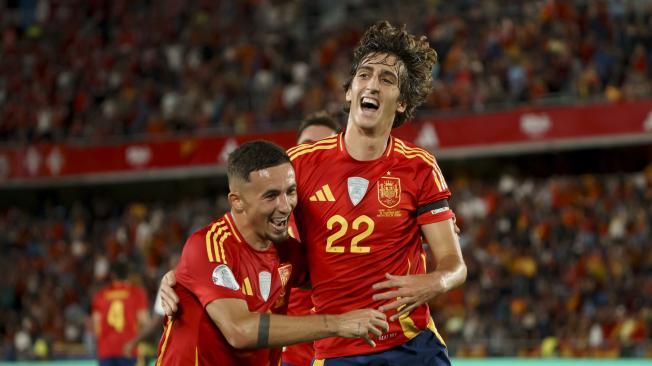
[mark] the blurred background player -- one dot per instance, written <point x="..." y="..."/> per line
<point x="315" y="126"/>
<point x="119" y="310"/>
<point x="235" y="273"/>
<point x="153" y="326"/>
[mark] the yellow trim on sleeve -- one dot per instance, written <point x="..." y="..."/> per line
<point x="209" y="234"/>
<point x="165" y="342"/>
<point x="232" y="229"/>
<point x="222" y="239"/>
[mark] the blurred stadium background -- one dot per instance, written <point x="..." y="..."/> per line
<point x="116" y="117"/>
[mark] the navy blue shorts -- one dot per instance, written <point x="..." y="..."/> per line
<point x="424" y="349"/>
<point x="117" y="361"/>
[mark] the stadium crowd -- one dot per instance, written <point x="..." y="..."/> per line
<point x="557" y="267"/>
<point x="96" y="69"/>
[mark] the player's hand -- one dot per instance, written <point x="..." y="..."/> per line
<point x="363" y="323"/>
<point x="409" y="292"/>
<point x="128" y="348"/>
<point x="169" y="298"/>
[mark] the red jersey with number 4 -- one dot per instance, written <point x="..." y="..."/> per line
<point x="216" y="263"/>
<point x="118" y="305"/>
<point x="360" y="220"/>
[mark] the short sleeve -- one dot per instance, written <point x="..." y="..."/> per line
<point x="208" y="274"/>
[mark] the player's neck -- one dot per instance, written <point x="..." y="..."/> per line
<point x="249" y="234"/>
<point x="366" y="145"/>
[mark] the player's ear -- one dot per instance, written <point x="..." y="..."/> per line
<point x="348" y="94"/>
<point x="401" y="107"/>
<point x="236" y="201"/>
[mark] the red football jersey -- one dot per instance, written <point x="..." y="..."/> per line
<point x="216" y="263"/>
<point x="360" y="220"/>
<point x="118" y="305"/>
<point x="300" y="354"/>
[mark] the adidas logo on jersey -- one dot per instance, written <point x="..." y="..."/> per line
<point x="324" y="194"/>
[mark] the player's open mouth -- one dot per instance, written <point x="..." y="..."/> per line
<point x="279" y="223"/>
<point x="369" y="105"/>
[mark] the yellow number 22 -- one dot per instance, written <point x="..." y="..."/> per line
<point x="344" y="227"/>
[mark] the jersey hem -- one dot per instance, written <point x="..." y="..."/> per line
<point x="362" y="351"/>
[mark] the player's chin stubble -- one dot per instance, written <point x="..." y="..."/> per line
<point x="278" y="238"/>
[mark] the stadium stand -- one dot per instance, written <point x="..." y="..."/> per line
<point x="559" y="265"/>
<point x="80" y="69"/>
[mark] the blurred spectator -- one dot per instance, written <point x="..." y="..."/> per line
<point x="557" y="267"/>
<point x="59" y="256"/>
<point x="79" y="69"/>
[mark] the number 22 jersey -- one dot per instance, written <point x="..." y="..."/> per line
<point x="360" y="220"/>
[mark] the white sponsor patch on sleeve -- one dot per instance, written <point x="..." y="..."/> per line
<point x="222" y="276"/>
<point x="439" y="210"/>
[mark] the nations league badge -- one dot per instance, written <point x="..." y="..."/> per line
<point x="357" y="187"/>
<point x="222" y="276"/>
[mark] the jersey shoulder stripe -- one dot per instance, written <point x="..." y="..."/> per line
<point x="325" y="141"/>
<point x="214" y="238"/>
<point x="411" y="153"/>
<point x="326" y="145"/>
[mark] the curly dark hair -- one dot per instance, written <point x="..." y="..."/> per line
<point x="415" y="53"/>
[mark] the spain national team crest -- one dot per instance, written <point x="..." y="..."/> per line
<point x="284" y="273"/>
<point x="389" y="191"/>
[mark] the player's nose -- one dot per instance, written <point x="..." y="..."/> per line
<point x="284" y="204"/>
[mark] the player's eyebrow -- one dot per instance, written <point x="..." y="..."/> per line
<point x="364" y="68"/>
<point x="383" y="72"/>
<point x="390" y="74"/>
<point x="271" y="192"/>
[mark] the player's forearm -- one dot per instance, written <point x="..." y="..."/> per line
<point x="287" y="330"/>
<point x="148" y="329"/>
<point x="450" y="273"/>
<point x="271" y="330"/>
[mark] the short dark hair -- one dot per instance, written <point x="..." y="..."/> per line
<point x="120" y="269"/>
<point x="416" y="54"/>
<point x="319" y="118"/>
<point x="252" y="156"/>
